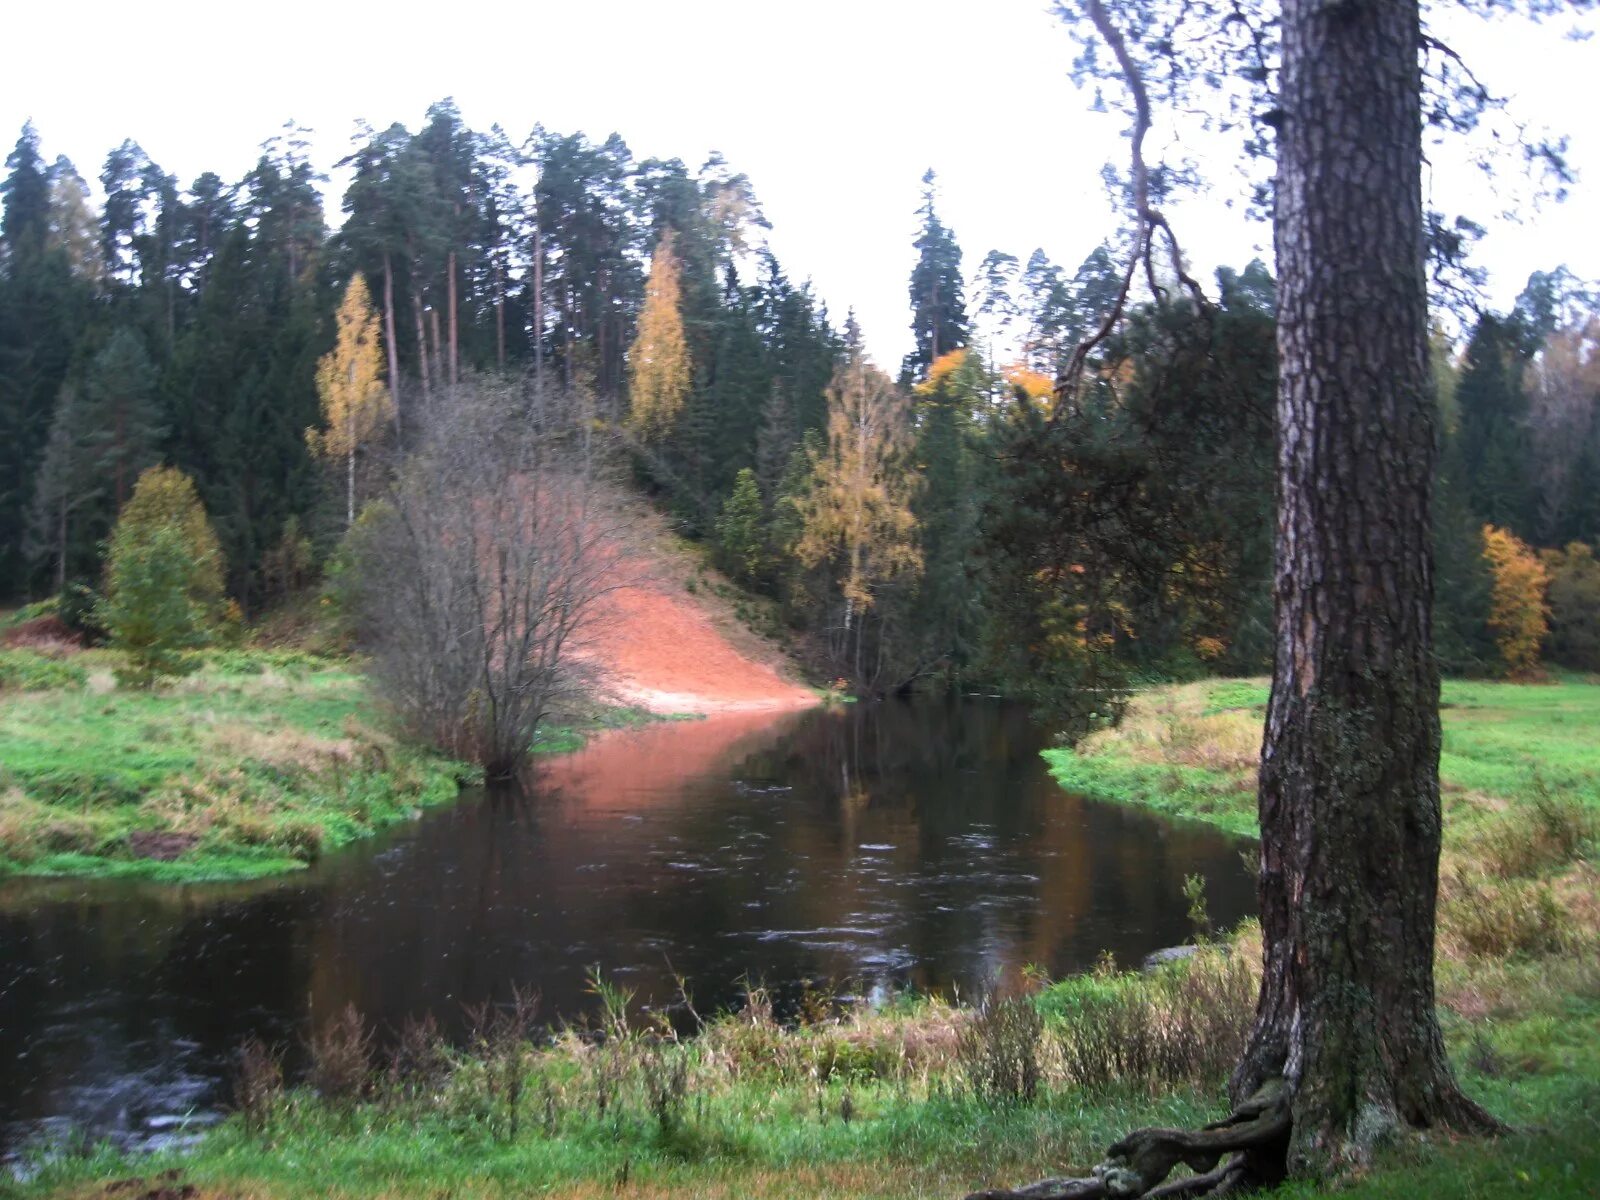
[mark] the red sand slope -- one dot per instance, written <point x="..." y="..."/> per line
<point x="661" y="650"/>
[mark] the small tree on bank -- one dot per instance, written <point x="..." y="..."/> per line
<point x="475" y="577"/>
<point x="163" y="592"/>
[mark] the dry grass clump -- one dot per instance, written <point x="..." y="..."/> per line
<point x="1172" y="727"/>
<point x="1183" y="1025"/>
<point x="1550" y="831"/>
<point x="1482" y="917"/>
<point x="30" y="830"/>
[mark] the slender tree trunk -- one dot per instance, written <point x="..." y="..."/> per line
<point x="421" y="344"/>
<point x="438" y="344"/>
<point x="390" y="345"/>
<point x="1349" y="792"/>
<point x="538" y="314"/>
<point x="500" y="315"/>
<point x="454" y="320"/>
<point x="350" y="456"/>
<point x="61" y="546"/>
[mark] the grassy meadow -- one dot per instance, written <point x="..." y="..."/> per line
<point x="256" y="764"/>
<point x="922" y="1098"/>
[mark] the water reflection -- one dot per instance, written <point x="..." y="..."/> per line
<point x="885" y="845"/>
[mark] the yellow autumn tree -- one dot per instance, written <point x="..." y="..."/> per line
<point x="1518" y="613"/>
<point x="1035" y="385"/>
<point x="355" y="401"/>
<point x="858" y="509"/>
<point x="658" y="361"/>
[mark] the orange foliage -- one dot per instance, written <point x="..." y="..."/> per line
<point x="1035" y="385"/>
<point x="1517" y="613"/>
<point x="940" y="372"/>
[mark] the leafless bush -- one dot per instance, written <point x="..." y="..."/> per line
<point x="501" y="1055"/>
<point x="341" y="1058"/>
<point x="999" y="1050"/>
<point x="1183" y="1025"/>
<point x="419" y="1064"/>
<point x="473" y="580"/>
<point x="259" y="1083"/>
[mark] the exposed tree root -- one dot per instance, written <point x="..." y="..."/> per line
<point x="1256" y="1134"/>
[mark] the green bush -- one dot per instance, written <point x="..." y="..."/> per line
<point x="149" y="611"/>
<point x="163" y="579"/>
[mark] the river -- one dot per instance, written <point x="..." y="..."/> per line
<point x="878" y="847"/>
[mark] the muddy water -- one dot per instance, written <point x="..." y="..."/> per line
<point x="879" y="846"/>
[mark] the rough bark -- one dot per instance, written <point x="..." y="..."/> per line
<point x="1349" y="791"/>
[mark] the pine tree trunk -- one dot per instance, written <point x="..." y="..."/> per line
<point x="422" y="344"/>
<point x="500" y="315"/>
<point x="1349" y="791"/>
<point x="454" y="322"/>
<point x="390" y="345"/>
<point x="538" y="315"/>
<point x="438" y="346"/>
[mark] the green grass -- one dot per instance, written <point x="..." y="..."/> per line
<point x="1190" y="751"/>
<point x="255" y="765"/>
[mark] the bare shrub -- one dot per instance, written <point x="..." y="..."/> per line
<point x="501" y="1056"/>
<point x="1553" y="830"/>
<point x="1513" y="916"/>
<point x="1182" y="1024"/>
<point x="341" y="1058"/>
<point x="473" y="579"/>
<point x="258" y="1084"/>
<point x="1000" y="1049"/>
<point x="419" y="1064"/>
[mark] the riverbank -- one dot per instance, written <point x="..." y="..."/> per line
<point x="257" y="764"/>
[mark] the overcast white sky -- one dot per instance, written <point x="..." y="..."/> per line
<point x="833" y="107"/>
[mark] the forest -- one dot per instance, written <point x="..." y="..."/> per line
<point x="950" y="524"/>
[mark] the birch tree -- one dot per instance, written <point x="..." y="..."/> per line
<point x="355" y="402"/>
<point x="857" y="512"/>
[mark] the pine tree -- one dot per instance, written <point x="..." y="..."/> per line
<point x="1493" y="422"/>
<point x="658" y="363"/>
<point x="938" y="307"/>
<point x="123" y="424"/>
<point x="355" y="402"/>
<point x="24" y="199"/>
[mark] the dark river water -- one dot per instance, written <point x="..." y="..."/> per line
<point x="875" y="846"/>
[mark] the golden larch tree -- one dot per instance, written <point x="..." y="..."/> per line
<point x="355" y="401"/>
<point x="658" y="361"/>
<point x="1518" y="614"/>
<point x="859" y="506"/>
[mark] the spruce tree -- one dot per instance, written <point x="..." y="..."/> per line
<point x="938" y="305"/>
